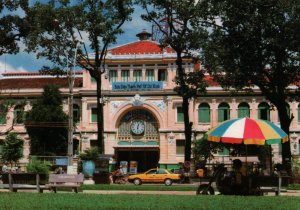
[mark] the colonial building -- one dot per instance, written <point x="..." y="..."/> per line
<point x="143" y="119"/>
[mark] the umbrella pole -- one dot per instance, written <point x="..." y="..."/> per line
<point x="246" y="161"/>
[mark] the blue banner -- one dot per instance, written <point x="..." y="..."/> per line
<point x="130" y="86"/>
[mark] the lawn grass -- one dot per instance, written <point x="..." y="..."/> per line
<point x="32" y="201"/>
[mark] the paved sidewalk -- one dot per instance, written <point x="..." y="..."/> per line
<point x="116" y="192"/>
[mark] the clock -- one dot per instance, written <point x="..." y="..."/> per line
<point x="137" y="127"/>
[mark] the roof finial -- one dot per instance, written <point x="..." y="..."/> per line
<point x="144" y="35"/>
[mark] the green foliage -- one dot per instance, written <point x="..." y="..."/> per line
<point x="178" y="32"/>
<point x="56" y="36"/>
<point x="12" y="148"/>
<point x="295" y="168"/>
<point x="37" y="166"/>
<point x="13" y="26"/>
<point x="204" y="149"/>
<point x="46" y="124"/>
<point x="256" y="43"/>
<point x="90" y="154"/>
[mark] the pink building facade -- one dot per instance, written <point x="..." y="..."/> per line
<point x="143" y="119"/>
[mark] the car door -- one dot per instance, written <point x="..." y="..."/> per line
<point x="161" y="175"/>
<point x="150" y="176"/>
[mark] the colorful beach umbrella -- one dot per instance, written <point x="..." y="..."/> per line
<point x="247" y="131"/>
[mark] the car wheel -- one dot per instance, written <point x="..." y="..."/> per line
<point x="205" y="189"/>
<point x="137" y="181"/>
<point x="168" y="182"/>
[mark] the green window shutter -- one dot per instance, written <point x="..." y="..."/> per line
<point x="76" y="113"/>
<point x="149" y="75"/>
<point x="180" y="145"/>
<point x="3" y="118"/>
<point x="204" y="113"/>
<point x="125" y="75"/>
<point x="223" y="112"/>
<point x="243" y="110"/>
<point x="162" y="75"/>
<point x="94" y="115"/>
<point x="18" y="115"/>
<point x="113" y="76"/>
<point x="220" y="115"/>
<point x="137" y="75"/>
<point x="1" y="147"/>
<point x="263" y="111"/>
<point x="180" y="117"/>
<point x="299" y="114"/>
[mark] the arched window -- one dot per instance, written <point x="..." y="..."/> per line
<point x="19" y="114"/>
<point x="243" y="110"/>
<point x="223" y="112"/>
<point x="2" y="117"/>
<point x="204" y="113"/>
<point x="1" y="147"/>
<point x="76" y="113"/>
<point x="264" y="111"/>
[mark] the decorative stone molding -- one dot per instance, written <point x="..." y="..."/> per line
<point x="114" y="106"/>
<point x="294" y="143"/>
<point x="160" y="104"/>
<point x="171" y="138"/>
<point x="137" y="100"/>
<point x="204" y="128"/>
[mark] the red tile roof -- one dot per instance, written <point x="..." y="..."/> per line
<point x="211" y="82"/>
<point x="140" y="47"/>
<point x="21" y="83"/>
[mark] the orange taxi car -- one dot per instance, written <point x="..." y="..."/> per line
<point x="155" y="175"/>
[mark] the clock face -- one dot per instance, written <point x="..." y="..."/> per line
<point x="137" y="127"/>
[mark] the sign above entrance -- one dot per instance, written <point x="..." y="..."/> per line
<point x="132" y="86"/>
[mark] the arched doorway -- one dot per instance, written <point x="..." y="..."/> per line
<point x="138" y="139"/>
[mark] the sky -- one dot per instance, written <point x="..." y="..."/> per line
<point x="24" y="62"/>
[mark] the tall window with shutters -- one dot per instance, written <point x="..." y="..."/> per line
<point x="243" y="110"/>
<point x="264" y="111"/>
<point x="204" y="113"/>
<point x="223" y="112"/>
<point x="137" y="75"/>
<point x="179" y="114"/>
<point x="149" y="75"/>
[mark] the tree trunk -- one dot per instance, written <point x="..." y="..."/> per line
<point x="185" y="108"/>
<point x="285" y="121"/>
<point x="100" y="122"/>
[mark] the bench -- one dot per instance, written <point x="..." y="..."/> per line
<point x="73" y="181"/>
<point x="270" y="184"/>
<point x="25" y="181"/>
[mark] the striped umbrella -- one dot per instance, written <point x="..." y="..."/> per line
<point x="247" y="131"/>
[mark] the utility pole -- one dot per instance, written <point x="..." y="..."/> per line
<point x="71" y="79"/>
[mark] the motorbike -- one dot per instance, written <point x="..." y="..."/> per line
<point x="224" y="182"/>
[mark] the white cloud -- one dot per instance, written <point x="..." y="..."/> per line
<point x="4" y="67"/>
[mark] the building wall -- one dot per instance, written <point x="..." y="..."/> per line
<point x="161" y="104"/>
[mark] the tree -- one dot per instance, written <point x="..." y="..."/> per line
<point x="12" y="149"/>
<point x="256" y="43"/>
<point x="58" y="34"/>
<point x="179" y="33"/>
<point x="12" y="25"/>
<point x="46" y="124"/>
